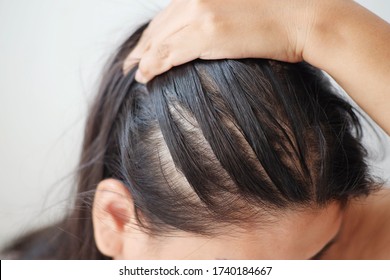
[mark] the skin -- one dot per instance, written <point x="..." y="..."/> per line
<point x="293" y="235"/>
<point x="365" y="231"/>
<point x="333" y="35"/>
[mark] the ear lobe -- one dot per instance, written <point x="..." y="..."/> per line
<point x="112" y="210"/>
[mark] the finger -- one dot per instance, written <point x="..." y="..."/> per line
<point x="135" y="55"/>
<point x="166" y="15"/>
<point x="165" y="23"/>
<point x="128" y="65"/>
<point x="150" y="34"/>
<point x="178" y="49"/>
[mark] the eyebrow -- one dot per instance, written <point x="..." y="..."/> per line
<point x="320" y="253"/>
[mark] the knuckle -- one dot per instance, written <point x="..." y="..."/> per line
<point x="201" y="7"/>
<point x="211" y="21"/>
<point x="212" y="25"/>
<point x="163" y="51"/>
<point x="201" y="3"/>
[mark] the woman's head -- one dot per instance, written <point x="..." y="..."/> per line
<point x="217" y="159"/>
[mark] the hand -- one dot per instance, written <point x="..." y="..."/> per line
<point x="216" y="29"/>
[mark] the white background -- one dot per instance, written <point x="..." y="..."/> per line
<point x="272" y="269"/>
<point x="51" y="54"/>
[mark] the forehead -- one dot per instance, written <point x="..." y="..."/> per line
<point x="294" y="235"/>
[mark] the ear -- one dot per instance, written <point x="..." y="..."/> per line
<point x="112" y="211"/>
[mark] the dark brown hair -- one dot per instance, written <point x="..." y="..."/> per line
<point x="211" y="143"/>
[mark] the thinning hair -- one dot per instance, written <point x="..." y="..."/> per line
<point x="213" y="143"/>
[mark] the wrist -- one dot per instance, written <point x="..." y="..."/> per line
<point x="323" y="33"/>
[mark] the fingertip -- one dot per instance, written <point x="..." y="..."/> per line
<point x="140" y="78"/>
<point x="129" y="64"/>
<point x="151" y="66"/>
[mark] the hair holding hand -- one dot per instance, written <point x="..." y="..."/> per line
<point x="334" y="35"/>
